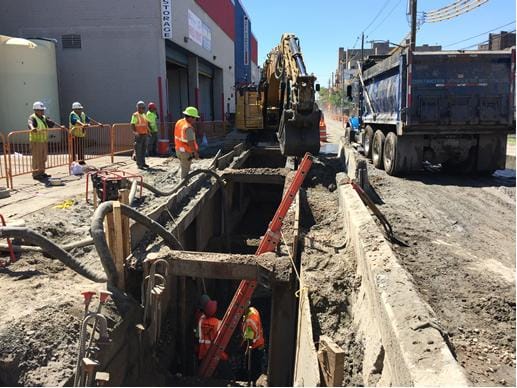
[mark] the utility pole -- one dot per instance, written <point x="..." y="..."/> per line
<point x="362" y="48"/>
<point x="413" y="25"/>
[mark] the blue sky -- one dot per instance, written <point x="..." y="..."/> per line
<point x="325" y="25"/>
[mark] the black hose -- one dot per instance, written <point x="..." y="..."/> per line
<point x="99" y="237"/>
<point x="52" y="249"/>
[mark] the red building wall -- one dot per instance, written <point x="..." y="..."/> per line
<point x="222" y="13"/>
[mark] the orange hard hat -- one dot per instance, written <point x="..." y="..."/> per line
<point x="210" y="308"/>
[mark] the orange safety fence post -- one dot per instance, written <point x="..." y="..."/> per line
<point x="4" y="172"/>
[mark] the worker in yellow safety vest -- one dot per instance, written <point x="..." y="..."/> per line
<point x="141" y="130"/>
<point x="38" y="139"/>
<point x="77" y="121"/>
<point x="152" y="117"/>
<point x="185" y="139"/>
<point x="253" y="336"/>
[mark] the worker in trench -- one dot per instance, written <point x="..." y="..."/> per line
<point x="208" y="325"/>
<point x="77" y="121"/>
<point x="141" y="130"/>
<point x="253" y="339"/>
<point x="185" y="139"/>
<point x="38" y="139"/>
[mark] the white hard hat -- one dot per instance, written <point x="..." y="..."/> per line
<point x="140" y="103"/>
<point x="38" y="105"/>
<point x="77" y="105"/>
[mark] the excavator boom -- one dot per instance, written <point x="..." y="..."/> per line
<point x="288" y="99"/>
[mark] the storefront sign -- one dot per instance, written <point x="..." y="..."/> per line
<point x="199" y="32"/>
<point x="166" y="19"/>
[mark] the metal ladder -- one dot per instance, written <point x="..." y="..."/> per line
<point x="243" y="294"/>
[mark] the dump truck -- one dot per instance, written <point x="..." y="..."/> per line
<point x="446" y="109"/>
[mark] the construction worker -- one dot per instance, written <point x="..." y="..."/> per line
<point x="38" y="139"/>
<point x="185" y="139"/>
<point x="152" y="117"/>
<point x="141" y="130"/>
<point x="77" y="121"/>
<point x="254" y="339"/>
<point x="208" y="326"/>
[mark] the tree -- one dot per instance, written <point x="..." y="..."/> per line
<point x="334" y="100"/>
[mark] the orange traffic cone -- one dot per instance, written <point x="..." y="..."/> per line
<point x="323" y="129"/>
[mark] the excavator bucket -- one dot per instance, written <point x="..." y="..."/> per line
<point x="298" y="134"/>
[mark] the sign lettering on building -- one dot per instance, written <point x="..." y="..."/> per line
<point x="166" y="19"/>
<point x="199" y="32"/>
<point x="246" y="41"/>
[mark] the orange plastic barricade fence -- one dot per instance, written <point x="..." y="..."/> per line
<point x="19" y="155"/>
<point x="3" y="160"/>
<point x="122" y="139"/>
<point x="95" y="144"/>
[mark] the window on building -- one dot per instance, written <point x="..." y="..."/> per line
<point x="71" y="41"/>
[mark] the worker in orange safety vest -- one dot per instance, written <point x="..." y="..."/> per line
<point x="141" y="130"/>
<point x="185" y="139"/>
<point x="253" y="335"/>
<point x="208" y="326"/>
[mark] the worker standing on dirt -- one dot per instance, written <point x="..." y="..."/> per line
<point x="152" y="117"/>
<point x="77" y="121"/>
<point x="208" y="326"/>
<point x="253" y="337"/>
<point x="185" y="139"/>
<point x="141" y="129"/>
<point x="38" y="139"/>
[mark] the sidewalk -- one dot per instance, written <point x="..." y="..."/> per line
<point x="30" y="195"/>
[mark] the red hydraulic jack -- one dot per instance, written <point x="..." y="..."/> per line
<point x="243" y="294"/>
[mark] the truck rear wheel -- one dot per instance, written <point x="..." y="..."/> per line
<point x="367" y="141"/>
<point x="377" y="149"/>
<point x="391" y="155"/>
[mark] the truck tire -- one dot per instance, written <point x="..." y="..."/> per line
<point x="391" y="155"/>
<point x="377" y="149"/>
<point x="367" y="141"/>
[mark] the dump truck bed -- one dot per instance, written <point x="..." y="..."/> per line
<point x="447" y="92"/>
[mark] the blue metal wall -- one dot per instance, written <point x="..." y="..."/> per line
<point x="242" y="70"/>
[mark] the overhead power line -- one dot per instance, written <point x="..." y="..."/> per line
<point x="476" y="36"/>
<point x="377" y="15"/>
<point x="458" y="8"/>
<point x="385" y="18"/>
<point x="486" y="41"/>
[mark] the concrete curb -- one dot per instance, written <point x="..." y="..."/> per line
<point x="403" y="343"/>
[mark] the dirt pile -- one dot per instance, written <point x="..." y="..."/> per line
<point x="329" y="268"/>
<point x="461" y="232"/>
<point x="41" y="298"/>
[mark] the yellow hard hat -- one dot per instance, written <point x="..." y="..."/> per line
<point x="191" y="111"/>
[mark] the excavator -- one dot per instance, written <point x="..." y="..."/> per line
<point x="284" y="101"/>
<point x="288" y="99"/>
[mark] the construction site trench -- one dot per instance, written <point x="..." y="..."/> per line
<point x="336" y="305"/>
